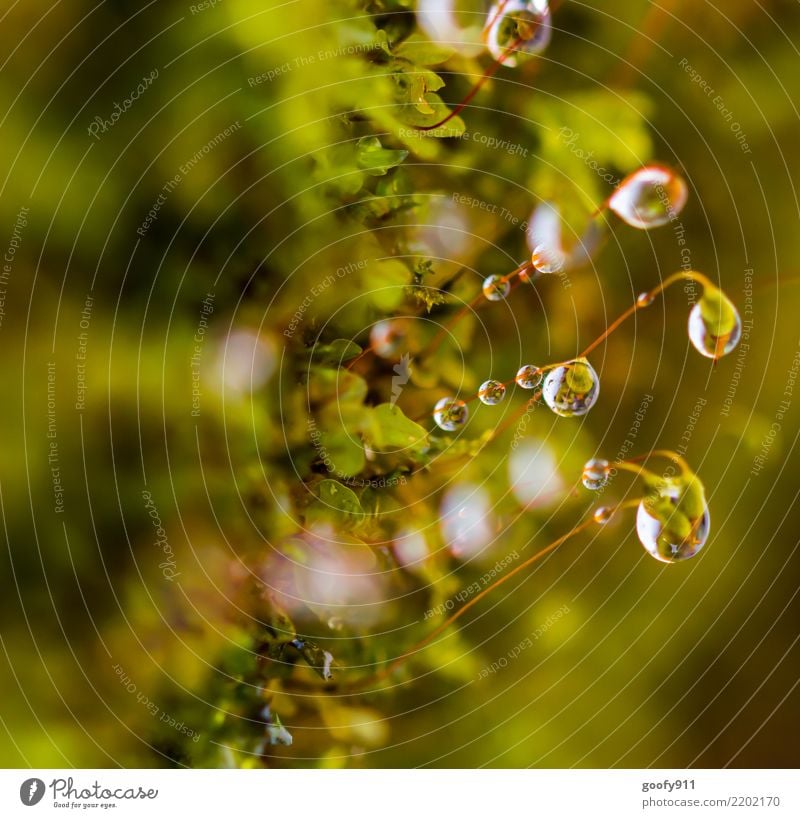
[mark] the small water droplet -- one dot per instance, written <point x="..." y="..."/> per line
<point x="496" y="288"/>
<point x="529" y="376"/>
<point x="595" y="474"/>
<point x="672" y="521"/>
<point x="571" y="389"/>
<point x="602" y="514"/>
<point x="714" y="324"/>
<point x="524" y="25"/>
<point x="650" y="197"/>
<point x="491" y="392"/>
<point x="450" y="413"/>
<point x="645" y="299"/>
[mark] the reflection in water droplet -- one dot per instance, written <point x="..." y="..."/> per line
<point x="595" y="474"/>
<point x="673" y="520"/>
<point x="714" y="324"/>
<point x="496" y="288"/>
<point x="650" y="197"/>
<point x="529" y="376"/>
<point x="524" y="26"/>
<point x="571" y="389"/>
<point x="450" y="413"/>
<point x="491" y="392"/>
<point x="645" y="299"/>
<point x="388" y="338"/>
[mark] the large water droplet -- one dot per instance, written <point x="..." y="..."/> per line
<point x="595" y="474"/>
<point x="491" y="392"/>
<point x="496" y="288"/>
<point x="450" y="413"/>
<point x="529" y="376"/>
<point x="650" y="197"/>
<point x="571" y="389"/>
<point x="673" y="520"/>
<point x="714" y="324"/>
<point x="522" y="26"/>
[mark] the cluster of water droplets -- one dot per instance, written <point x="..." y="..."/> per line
<point x="569" y="389"/>
<point x="672" y="519"/>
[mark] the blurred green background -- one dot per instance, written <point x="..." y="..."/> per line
<point x="180" y="181"/>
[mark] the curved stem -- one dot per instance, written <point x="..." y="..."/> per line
<point x="645" y="300"/>
<point x="425" y="641"/>
<point x="485" y="77"/>
<point x="665" y="453"/>
<point x="630" y="466"/>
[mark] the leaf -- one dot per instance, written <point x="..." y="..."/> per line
<point x="390" y="429"/>
<point x="336" y="352"/>
<point x="389" y="283"/>
<point x="338" y="497"/>
<point x="423" y="52"/>
<point x="326" y="385"/>
<point x="341" y="453"/>
<point x="376" y="160"/>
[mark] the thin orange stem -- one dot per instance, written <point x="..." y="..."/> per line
<point x="645" y="300"/>
<point x="485" y="77"/>
<point x="425" y="641"/>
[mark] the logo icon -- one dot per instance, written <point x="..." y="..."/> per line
<point x="31" y="792"/>
<point x="402" y="372"/>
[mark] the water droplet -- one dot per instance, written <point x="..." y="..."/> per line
<point x="673" y="520"/>
<point x="496" y="288"/>
<point x="388" y="338"/>
<point x="450" y="413"/>
<point x="602" y="514"/>
<point x="714" y="324"/>
<point x="491" y="392"/>
<point x="547" y="260"/>
<point x="571" y="389"/>
<point x="650" y="197"/>
<point x="595" y="474"/>
<point x="522" y="26"/>
<point x="645" y="299"/>
<point x="529" y="376"/>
